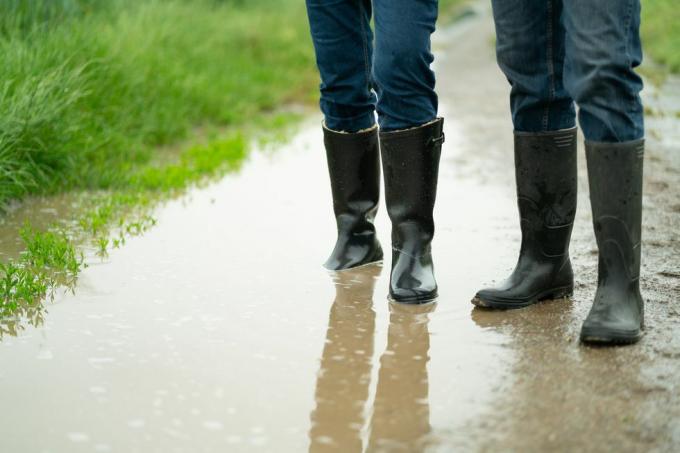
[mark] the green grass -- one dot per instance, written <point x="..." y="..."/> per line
<point x="89" y="89"/>
<point x="450" y="9"/>
<point x="661" y="32"/>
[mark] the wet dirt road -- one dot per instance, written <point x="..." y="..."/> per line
<point x="219" y="330"/>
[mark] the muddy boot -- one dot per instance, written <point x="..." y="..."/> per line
<point x="411" y="165"/>
<point x="354" y="167"/>
<point x="615" y="178"/>
<point x="545" y="171"/>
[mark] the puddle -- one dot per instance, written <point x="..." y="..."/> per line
<point x="217" y="326"/>
<point x="42" y="212"/>
<point x="219" y="330"/>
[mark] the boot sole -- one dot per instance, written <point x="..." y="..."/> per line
<point x="511" y="304"/>
<point x="358" y="266"/>
<point x="424" y="300"/>
<point x="601" y="336"/>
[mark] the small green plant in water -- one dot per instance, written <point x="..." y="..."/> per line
<point x="50" y="260"/>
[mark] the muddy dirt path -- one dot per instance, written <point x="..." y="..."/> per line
<point x="219" y="330"/>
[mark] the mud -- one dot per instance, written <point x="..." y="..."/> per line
<point x="219" y="330"/>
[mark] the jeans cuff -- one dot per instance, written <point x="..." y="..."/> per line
<point x="351" y="125"/>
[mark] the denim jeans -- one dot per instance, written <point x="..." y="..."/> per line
<point x="360" y="75"/>
<point x="557" y="52"/>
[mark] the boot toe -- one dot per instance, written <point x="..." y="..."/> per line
<point x="606" y="330"/>
<point x="499" y="299"/>
<point x="614" y="318"/>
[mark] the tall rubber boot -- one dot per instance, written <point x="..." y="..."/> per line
<point x="615" y="178"/>
<point x="545" y="172"/>
<point x="411" y="165"/>
<point x="354" y="168"/>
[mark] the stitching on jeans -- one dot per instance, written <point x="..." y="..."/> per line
<point x="362" y="15"/>
<point x="550" y="63"/>
<point x="629" y="58"/>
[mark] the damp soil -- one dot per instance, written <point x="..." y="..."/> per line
<point x="219" y="331"/>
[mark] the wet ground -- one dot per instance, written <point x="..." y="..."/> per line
<point x="219" y="330"/>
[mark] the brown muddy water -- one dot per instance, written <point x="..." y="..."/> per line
<point x="218" y="331"/>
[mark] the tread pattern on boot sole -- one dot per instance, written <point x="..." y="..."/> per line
<point x="500" y="304"/>
<point x="603" y="337"/>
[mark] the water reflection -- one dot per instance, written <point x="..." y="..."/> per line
<point x="22" y="316"/>
<point x="555" y="376"/>
<point x="400" y="415"/>
<point x="344" y="377"/>
<point x="401" y="411"/>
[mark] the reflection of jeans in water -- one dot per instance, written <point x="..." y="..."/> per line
<point x="555" y="52"/>
<point x="401" y="412"/>
<point x="399" y="69"/>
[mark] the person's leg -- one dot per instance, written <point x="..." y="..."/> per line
<point x="411" y="137"/>
<point x="602" y="51"/>
<point x="343" y="43"/>
<point x="403" y="78"/>
<point x="530" y="52"/>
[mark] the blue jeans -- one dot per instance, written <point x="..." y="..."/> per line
<point x="557" y="52"/>
<point x="360" y="76"/>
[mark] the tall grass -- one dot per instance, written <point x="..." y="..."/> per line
<point x="88" y="88"/>
<point x="661" y="31"/>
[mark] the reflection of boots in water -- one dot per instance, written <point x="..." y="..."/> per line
<point x="549" y="321"/>
<point x="401" y="413"/>
<point x="344" y="377"/>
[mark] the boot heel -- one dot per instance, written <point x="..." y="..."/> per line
<point x="562" y="293"/>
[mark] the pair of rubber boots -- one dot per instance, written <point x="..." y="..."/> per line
<point x="410" y="161"/>
<point x="545" y="166"/>
<point x="546" y="175"/>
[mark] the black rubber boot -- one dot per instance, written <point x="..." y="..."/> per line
<point x="354" y="167"/>
<point x="411" y="165"/>
<point x="545" y="171"/>
<point x="615" y="178"/>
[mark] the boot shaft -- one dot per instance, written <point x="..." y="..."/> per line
<point x="546" y="177"/>
<point x="354" y="169"/>
<point x="411" y="166"/>
<point x="615" y="178"/>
